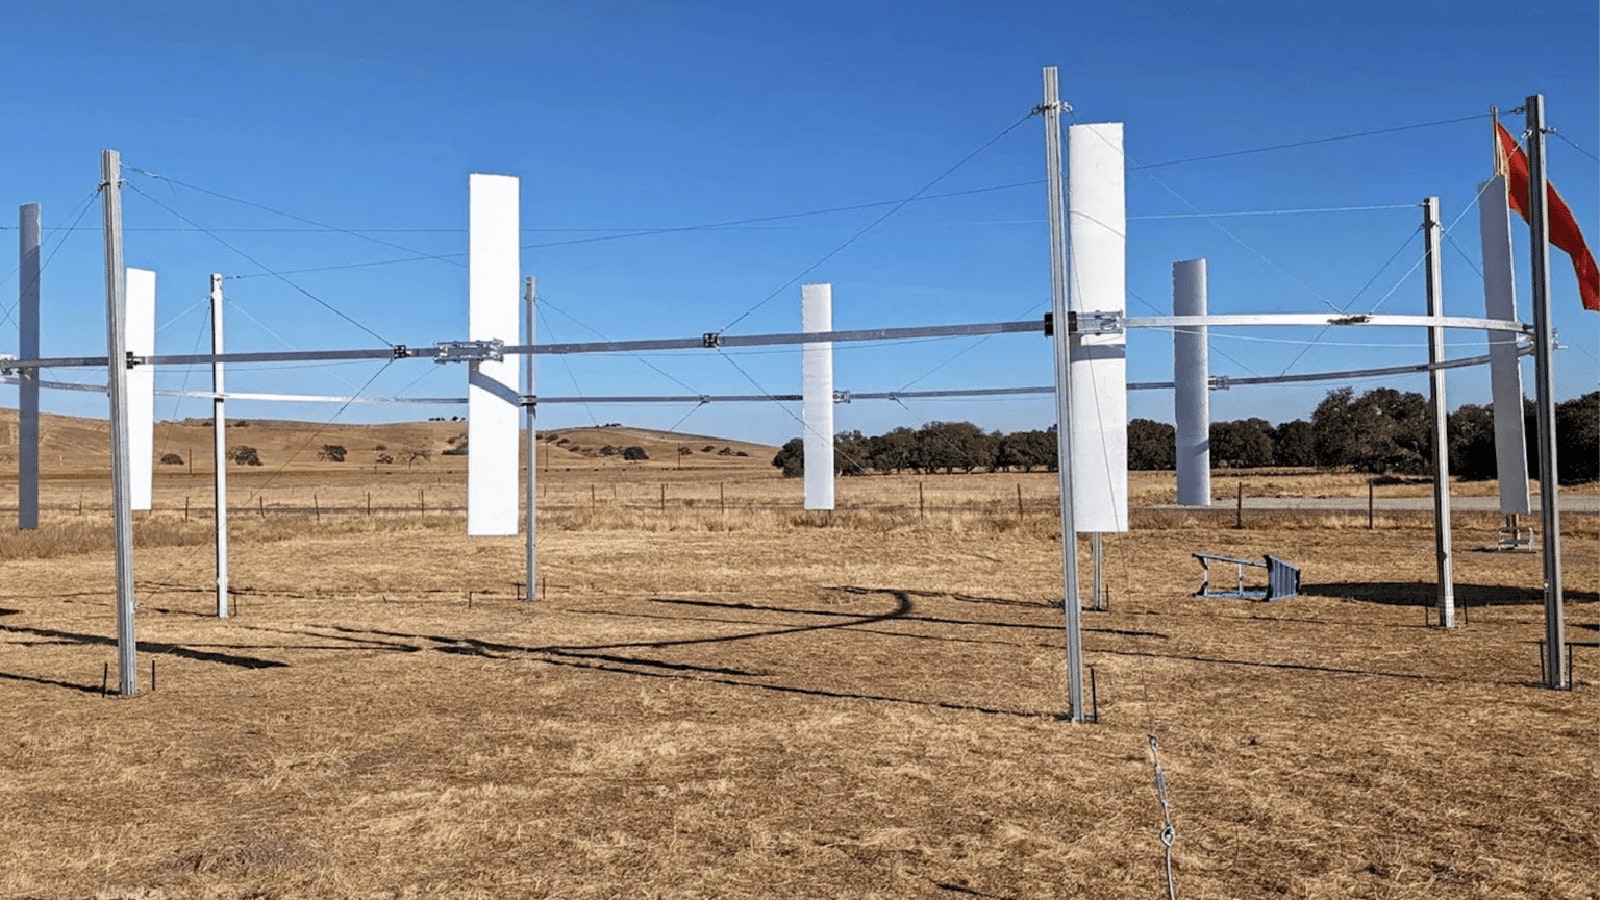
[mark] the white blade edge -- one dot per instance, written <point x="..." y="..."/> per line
<point x="1191" y="396"/>
<point x="139" y="324"/>
<point x="1505" y="368"/>
<point x="493" y="312"/>
<point x="816" y="376"/>
<point x="1097" y="282"/>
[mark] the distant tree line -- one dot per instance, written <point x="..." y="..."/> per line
<point x="1380" y="431"/>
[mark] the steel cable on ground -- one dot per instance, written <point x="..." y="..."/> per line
<point x="876" y="222"/>
<point x="265" y="268"/>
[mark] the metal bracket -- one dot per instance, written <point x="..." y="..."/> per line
<point x="841" y="396"/>
<point x="468" y="351"/>
<point x="1349" y="320"/>
<point x="711" y="340"/>
<point x="1096" y="322"/>
<point x="401" y="351"/>
<point x="133" y="361"/>
<point x="1091" y="322"/>
<point x="528" y="401"/>
<point x="5" y="369"/>
<point x="1219" y="383"/>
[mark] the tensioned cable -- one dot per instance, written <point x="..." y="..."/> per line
<point x="243" y="310"/>
<point x="1569" y="143"/>
<point x="967" y="349"/>
<point x="876" y="222"/>
<point x="265" y="268"/>
<point x="565" y="364"/>
<point x="1219" y="351"/>
<point x="541" y="301"/>
<point x="1476" y="198"/>
<point x="804" y="427"/>
<point x="1370" y="281"/>
<point x="648" y="232"/>
<point x="83" y="210"/>
<point x="1476" y="117"/>
<point x="288" y="215"/>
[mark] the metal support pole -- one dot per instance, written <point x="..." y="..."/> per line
<point x="1544" y="393"/>
<point x="1051" y="108"/>
<point x="117" y="389"/>
<point x="1432" y="232"/>
<point x="28" y="274"/>
<point x="528" y="309"/>
<point x="1097" y="556"/>
<point x="219" y="446"/>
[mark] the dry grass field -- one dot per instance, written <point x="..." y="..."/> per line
<point x="714" y="694"/>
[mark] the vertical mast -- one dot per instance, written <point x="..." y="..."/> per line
<point x="528" y="310"/>
<point x="1544" y="392"/>
<point x="1446" y="596"/>
<point x="1051" y="108"/>
<point x="219" y="448"/>
<point x="117" y="388"/>
<point x="28" y="275"/>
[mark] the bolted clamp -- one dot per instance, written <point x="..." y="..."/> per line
<point x="1219" y="383"/>
<point x="841" y="396"/>
<point x="133" y="361"/>
<point x="468" y="351"/>
<point x="1088" y="322"/>
<point x="711" y="340"/>
<point x="401" y="351"/>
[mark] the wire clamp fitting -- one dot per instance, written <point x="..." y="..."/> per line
<point x="527" y="401"/>
<point x="711" y="340"/>
<point x="133" y="360"/>
<point x="401" y="351"/>
<point x="1219" y="383"/>
<point x="468" y="351"/>
<point x="841" y="396"/>
<point x="5" y="369"/>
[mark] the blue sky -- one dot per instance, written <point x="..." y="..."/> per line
<point x="623" y="117"/>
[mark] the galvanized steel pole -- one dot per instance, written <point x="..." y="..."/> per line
<point x="117" y="389"/>
<point x="219" y="448"/>
<point x="28" y="275"/>
<point x="1432" y="232"/>
<point x="1544" y="394"/>
<point x="528" y="307"/>
<point x="1051" y="108"/>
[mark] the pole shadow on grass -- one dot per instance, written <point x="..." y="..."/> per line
<point x="227" y="659"/>
<point x="597" y="657"/>
<point x="1425" y="593"/>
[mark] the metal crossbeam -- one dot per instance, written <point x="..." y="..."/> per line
<point x="859" y="335"/>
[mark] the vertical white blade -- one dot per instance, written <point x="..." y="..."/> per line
<point x="139" y="324"/>
<point x="1191" y="363"/>
<point x="816" y="376"/>
<point x="1097" y="282"/>
<point x="1505" y="370"/>
<point x="493" y="300"/>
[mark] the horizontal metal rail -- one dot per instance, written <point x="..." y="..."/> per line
<point x="1218" y="382"/>
<point x="713" y="340"/>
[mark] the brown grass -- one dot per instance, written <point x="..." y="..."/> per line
<point x="761" y="702"/>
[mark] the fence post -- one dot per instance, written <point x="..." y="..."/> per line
<point x="1019" y="501"/>
<point x="663" y="498"/>
<point x="1370" y="504"/>
<point x="316" y="505"/>
<point x="186" y="508"/>
<point x="1238" y="508"/>
<point x="722" y="497"/>
<point x="922" y="503"/>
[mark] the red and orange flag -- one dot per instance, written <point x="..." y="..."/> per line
<point x="1512" y="162"/>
